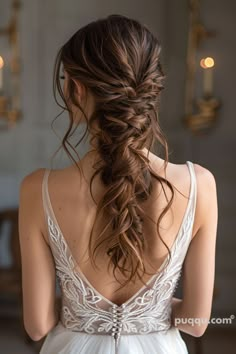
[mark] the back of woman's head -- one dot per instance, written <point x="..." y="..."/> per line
<point x="116" y="59"/>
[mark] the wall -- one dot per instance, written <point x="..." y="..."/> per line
<point x="214" y="151"/>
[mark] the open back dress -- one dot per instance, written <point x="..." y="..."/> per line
<point x="91" y="324"/>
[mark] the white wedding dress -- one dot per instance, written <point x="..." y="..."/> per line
<point x="91" y="324"/>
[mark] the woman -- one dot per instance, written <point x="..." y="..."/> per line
<point x="118" y="233"/>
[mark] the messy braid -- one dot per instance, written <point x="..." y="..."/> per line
<point x="117" y="60"/>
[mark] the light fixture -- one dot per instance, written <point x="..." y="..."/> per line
<point x="200" y="113"/>
<point x="10" y="111"/>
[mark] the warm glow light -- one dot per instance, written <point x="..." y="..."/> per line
<point x="202" y="63"/>
<point x="207" y="63"/>
<point x="1" y="62"/>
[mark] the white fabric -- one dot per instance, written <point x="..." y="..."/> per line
<point x="90" y="323"/>
<point x="63" y="341"/>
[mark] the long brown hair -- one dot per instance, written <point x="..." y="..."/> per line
<point x="117" y="59"/>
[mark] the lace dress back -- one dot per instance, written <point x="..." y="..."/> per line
<point x="85" y="310"/>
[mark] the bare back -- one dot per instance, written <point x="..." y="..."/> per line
<point x="75" y="212"/>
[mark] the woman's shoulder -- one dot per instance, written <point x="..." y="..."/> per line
<point x="205" y="190"/>
<point x="203" y="175"/>
<point x="178" y="175"/>
<point x="32" y="179"/>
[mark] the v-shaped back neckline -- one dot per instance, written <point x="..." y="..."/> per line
<point x="79" y="273"/>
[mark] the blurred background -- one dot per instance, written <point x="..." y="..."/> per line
<point x="197" y="115"/>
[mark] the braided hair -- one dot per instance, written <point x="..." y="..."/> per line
<point x="117" y="60"/>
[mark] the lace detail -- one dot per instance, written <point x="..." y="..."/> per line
<point x="85" y="309"/>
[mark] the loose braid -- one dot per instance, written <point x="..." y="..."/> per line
<point x="117" y="60"/>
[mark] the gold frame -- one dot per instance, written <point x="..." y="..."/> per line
<point x="10" y="111"/>
<point x="202" y="119"/>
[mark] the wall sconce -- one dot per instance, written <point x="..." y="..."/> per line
<point x="10" y="72"/>
<point x="200" y="114"/>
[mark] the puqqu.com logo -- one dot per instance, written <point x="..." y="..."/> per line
<point x="200" y="321"/>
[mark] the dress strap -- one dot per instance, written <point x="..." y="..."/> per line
<point x="46" y="204"/>
<point x="193" y="195"/>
